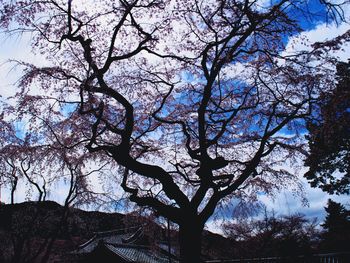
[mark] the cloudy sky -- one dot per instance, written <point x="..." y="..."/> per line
<point x="18" y="48"/>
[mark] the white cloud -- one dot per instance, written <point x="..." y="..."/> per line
<point x="15" y="48"/>
<point x="321" y="32"/>
<point x="286" y="203"/>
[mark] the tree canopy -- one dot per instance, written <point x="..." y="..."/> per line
<point x="192" y="103"/>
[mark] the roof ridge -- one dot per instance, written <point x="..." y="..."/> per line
<point x="118" y="229"/>
<point x="126" y="245"/>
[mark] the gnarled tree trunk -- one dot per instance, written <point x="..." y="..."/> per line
<point x="190" y="241"/>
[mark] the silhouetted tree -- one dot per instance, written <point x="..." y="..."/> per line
<point x="329" y="137"/>
<point x="157" y="88"/>
<point x="336" y="237"/>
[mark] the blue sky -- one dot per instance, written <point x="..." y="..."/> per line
<point x="285" y="202"/>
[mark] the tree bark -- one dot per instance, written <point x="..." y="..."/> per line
<point x="14" y="187"/>
<point x="190" y="241"/>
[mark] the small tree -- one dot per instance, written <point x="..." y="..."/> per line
<point x="9" y="172"/>
<point x="337" y="228"/>
<point x="154" y="86"/>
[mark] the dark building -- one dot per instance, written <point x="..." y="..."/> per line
<point x="120" y="246"/>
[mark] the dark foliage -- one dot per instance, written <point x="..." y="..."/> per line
<point x="336" y="237"/>
<point x="329" y="138"/>
<point x="291" y="237"/>
<point x="285" y="236"/>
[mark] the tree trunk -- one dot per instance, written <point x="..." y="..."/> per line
<point x="14" y="187"/>
<point x="190" y="241"/>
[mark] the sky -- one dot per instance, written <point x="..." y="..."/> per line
<point x="284" y="203"/>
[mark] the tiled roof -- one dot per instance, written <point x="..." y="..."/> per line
<point x="118" y="236"/>
<point x="137" y="254"/>
<point x="90" y="245"/>
<point x="123" y="245"/>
